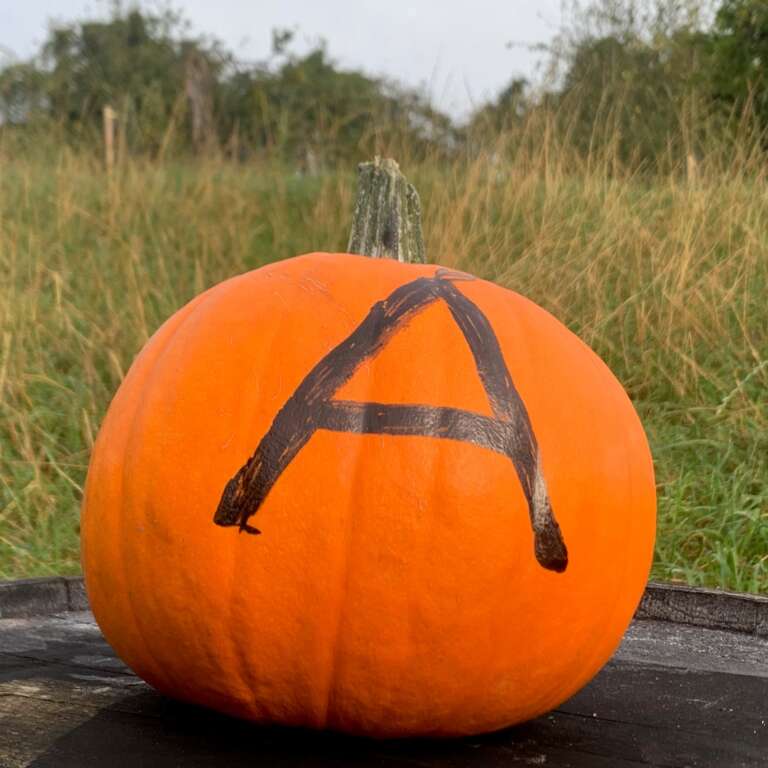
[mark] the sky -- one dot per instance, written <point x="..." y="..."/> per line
<point x="458" y="50"/>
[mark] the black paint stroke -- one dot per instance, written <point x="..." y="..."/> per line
<point x="312" y="407"/>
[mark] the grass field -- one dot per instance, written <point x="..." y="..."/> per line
<point x="667" y="280"/>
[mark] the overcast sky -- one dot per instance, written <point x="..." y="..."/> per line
<point x="457" y="49"/>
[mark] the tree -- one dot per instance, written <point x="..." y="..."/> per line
<point x="740" y="56"/>
<point x="22" y="93"/>
<point x="165" y="83"/>
<point x="311" y="111"/>
<point x="630" y="76"/>
<point x="509" y="108"/>
<point x="135" y="62"/>
<point x="636" y="77"/>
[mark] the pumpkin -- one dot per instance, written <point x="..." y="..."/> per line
<point x="382" y="498"/>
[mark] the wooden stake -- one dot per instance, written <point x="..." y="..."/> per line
<point x="110" y="116"/>
<point x="692" y="168"/>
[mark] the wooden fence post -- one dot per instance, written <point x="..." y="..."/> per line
<point x="692" y="168"/>
<point x="110" y="116"/>
<point x="198" y="87"/>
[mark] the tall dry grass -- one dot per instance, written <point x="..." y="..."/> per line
<point x="665" y="276"/>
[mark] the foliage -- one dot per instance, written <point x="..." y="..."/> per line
<point x="640" y="92"/>
<point x="740" y="56"/>
<point x="22" y="93"/>
<point x="509" y="108"/>
<point x="140" y="64"/>
<point x="132" y="62"/>
<point x="660" y="79"/>
<point x="631" y="73"/>
<point x="665" y="279"/>
<point x="656" y="77"/>
<point x="308" y="109"/>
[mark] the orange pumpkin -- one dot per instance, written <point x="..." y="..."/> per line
<point x="454" y="495"/>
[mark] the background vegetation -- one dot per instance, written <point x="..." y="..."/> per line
<point x="625" y="192"/>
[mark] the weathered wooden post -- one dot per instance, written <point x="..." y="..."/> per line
<point x="109" y="116"/>
<point x="692" y="168"/>
<point x="198" y="86"/>
<point x="386" y="223"/>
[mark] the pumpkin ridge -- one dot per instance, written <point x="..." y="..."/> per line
<point x="135" y="437"/>
<point x="238" y="562"/>
<point x="350" y="510"/>
<point x="155" y="347"/>
<point x="630" y="521"/>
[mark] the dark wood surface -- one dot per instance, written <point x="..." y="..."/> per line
<point x="673" y="695"/>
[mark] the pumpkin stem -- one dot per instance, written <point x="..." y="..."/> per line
<point x="387" y="220"/>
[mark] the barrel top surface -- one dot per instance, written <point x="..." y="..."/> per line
<point x="673" y="695"/>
